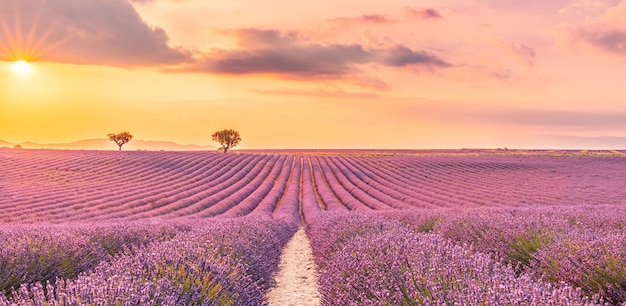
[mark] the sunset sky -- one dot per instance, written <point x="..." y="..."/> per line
<point x="316" y="74"/>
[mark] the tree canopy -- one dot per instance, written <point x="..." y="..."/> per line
<point x="120" y="139"/>
<point x="227" y="138"/>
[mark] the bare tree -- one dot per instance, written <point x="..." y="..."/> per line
<point x="120" y="139"/>
<point x="227" y="138"/>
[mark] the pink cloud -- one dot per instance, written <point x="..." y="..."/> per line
<point x="279" y="53"/>
<point x="309" y="60"/>
<point x="401" y="56"/>
<point x="521" y="52"/>
<point x="612" y="40"/>
<point x="99" y="32"/>
<point x="533" y="6"/>
<point x="606" y="32"/>
<point x="324" y="91"/>
<point x="425" y="13"/>
<point x="363" y="19"/>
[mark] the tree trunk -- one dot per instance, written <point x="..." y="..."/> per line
<point x="120" y="147"/>
<point x="225" y="149"/>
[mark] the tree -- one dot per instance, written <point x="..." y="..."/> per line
<point x="120" y="139"/>
<point x="227" y="138"/>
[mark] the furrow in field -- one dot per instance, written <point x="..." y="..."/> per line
<point x="93" y="193"/>
<point x="340" y="191"/>
<point x="268" y="204"/>
<point x="326" y="194"/>
<point x="354" y="191"/>
<point x="211" y="195"/>
<point x="248" y="204"/>
<point x="60" y="186"/>
<point x="242" y="189"/>
<point x="288" y="205"/>
<point x="467" y="177"/>
<point x="113" y="204"/>
<point x="402" y="190"/>
<point x="147" y="206"/>
<point x="370" y="187"/>
<point x="382" y="177"/>
<point x="309" y="198"/>
<point x="160" y="196"/>
<point x="421" y="181"/>
<point x="319" y="199"/>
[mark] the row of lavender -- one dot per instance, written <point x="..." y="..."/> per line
<point x="453" y="181"/>
<point x="63" y="186"/>
<point x="43" y="253"/>
<point x="49" y="186"/>
<point x="539" y="256"/>
<point x="204" y="262"/>
<point x="582" y="246"/>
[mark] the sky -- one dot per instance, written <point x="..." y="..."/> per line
<point x="317" y="74"/>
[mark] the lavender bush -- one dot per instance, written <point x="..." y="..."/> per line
<point x="220" y="262"/>
<point x="593" y="260"/>
<point x="41" y="253"/>
<point x="374" y="262"/>
<point x="329" y="232"/>
<point x="582" y="246"/>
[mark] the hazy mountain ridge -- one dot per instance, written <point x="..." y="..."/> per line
<point x="105" y="144"/>
<point x="567" y="142"/>
<point x="581" y="142"/>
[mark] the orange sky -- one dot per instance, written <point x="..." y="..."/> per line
<point x="322" y="74"/>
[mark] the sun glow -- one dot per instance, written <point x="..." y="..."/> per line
<point x="24" y="41"/>
<point x="21" y="67"/>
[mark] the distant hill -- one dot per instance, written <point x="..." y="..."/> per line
<point x="5" y="144"/>
<point x="105" y="144"/>
<point x="580" y="142"/>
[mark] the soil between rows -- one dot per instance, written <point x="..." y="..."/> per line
<point x="296" y="280"/>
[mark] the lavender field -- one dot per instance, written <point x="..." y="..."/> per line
<point x="467" y="227"/>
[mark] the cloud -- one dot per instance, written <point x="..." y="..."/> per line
<point x="606" y="32"/>
<point x="525" y="52"/>
<point x="522" y="52"/>
<point x="612" y="40"/>
<point x="275" y="52"/>
<point x="401" y="56"/>
<point x="280" y="53"/>
<point x="426" y="13"/>
<point x="533" y="6"/>
<point x="259" y="38"/>
<point x="323" y="91"/>
<point x="100" y="32"/>
<point x="583" y="7"/>
<point x="306" y="60"/>
<point x="363" y="19"/>
<point x="152" y="1"/>
<point x="371" y="81"/>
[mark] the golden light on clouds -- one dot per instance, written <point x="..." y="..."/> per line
<point x="22" y="44"/>
<point x="399" y="74"/>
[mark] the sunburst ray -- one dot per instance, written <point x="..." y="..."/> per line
<point x="28" y="44"/>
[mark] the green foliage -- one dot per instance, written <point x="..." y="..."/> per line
<point x="428" y="224"/>
<point x="521" y="248"/>
<point x="594" y="270"/>
<point x="120" y="139"/>
<point x="227" y="138"/>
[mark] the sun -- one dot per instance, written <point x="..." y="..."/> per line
<point x="24" y="41"/>
<point x="21" y="67"/>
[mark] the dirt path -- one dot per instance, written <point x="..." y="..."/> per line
<point x="296" y="280"/>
